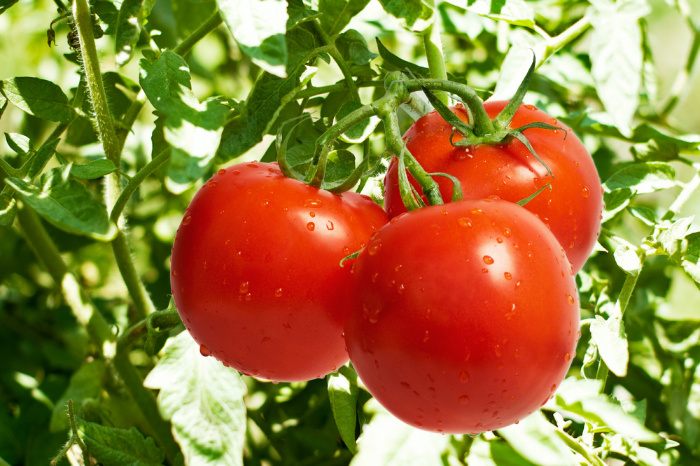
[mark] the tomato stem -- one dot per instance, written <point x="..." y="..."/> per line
<point x="436" y="59"/>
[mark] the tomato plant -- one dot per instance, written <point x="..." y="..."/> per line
<point x="572" y="208"/>
<point x="256" y="272"/>
<point x="467" y="317"/>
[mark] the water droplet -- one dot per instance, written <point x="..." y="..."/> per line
<point x="329" y="225"/>
<point x="187" y="220"/>
<point x="222" y="171"/>
<point x="310" y="226"/>
<point x="374" y="248"/>
<point x="374" y="315"/>
<point x="554" y="387"/>
<point x="426" y="337"/>
<point x="484" y="270"/>
<point x="585" y="192"/>
<point x="553" y="121"/>
<point x="265" y="203"/>
<point x="517" y="284"/>
<point x="497" y="350"/>
<point x="312" y="214"/>
<point x="401" y="288"/>
<point x="499" y="240"/>
<point x="464" y="399"/>
<point x="252" y="164"/>
<point x="464" y="376"/>
<point x="488" y="260"/>
<point x="204" y="351"/>
<point x="530" y="107"/>
<point x="567" y="357"/>
<point x="511" y="313"/>
<point x="312" y="203"/>
<point x="375" y="276"/>
<point x="477" y="211"/>
<point x="508" y="275"/>
<point x="243" y="288"/>
<point x="175" y="273"/>
<point x="464" y="222"/>
<point x="570" y="299"/>
<point x="278" y="293"/>
<point x="212" y="184"/>
<point x="248" y="296"/>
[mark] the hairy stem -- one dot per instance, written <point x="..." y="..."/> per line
<point x="436" y="59"/>
<point x="136" y="181"/>
<point x="137" y="290"/>
<point x="552" y="44"/>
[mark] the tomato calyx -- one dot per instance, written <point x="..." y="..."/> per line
<point x="485" y="131"/>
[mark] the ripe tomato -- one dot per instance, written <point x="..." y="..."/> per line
<point x="571" y="209"/>
<point x="466" y="317"/>
<point x="255" y="271"/>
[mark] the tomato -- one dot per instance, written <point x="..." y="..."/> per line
<point x="255" y="271"/>
<point x="571" y="209"/>
<point x="467" y="316"/>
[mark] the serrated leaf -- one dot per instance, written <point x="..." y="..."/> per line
<point x="18" y="143"/>
<point x="130" y="20"/>
<point x="615" y="201"/>
<point x="41" y="158"/>
<point x="609" y="335"/>
<point x="343" y="392"/>
<point x="673" y="234"/>
<point x="193" y="129"/>
<point x="617" y="57"/>
<point x="628" y="260"/>
<point x="38" y="97"/>
<point x="85" y="383"/>
<point x="643" y="178"/>
<point x="266" y="100"/>
<point x="690" y="260"/>
<point x="583" y="398"/>
<point x="203" y="400"/>
<point x="258" y="26"/>
<point x="111" y="446"/>
<point x="353" y="48"/>
<point x="516" y="12"/>
<point x="644" y="214"/>
<point x="107" y="11"/>
<point x="414" y="15"/>
<point x="387" y="441"/>
<point x="299" y="13"/>
<point x="336" y="14"/>
<point x="535" y="439"/>
<point x="93" y="169"/>
<point x="66" y="204"/>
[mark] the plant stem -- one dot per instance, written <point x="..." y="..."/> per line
<point x="184" y="47"/>
<point x="137" y="290"/>
<point x="79" y="302"/>
<point x="146" y="402"/>
<point x="339" y="60"/>
<point x="315" y="91"/>
<point x="684" y="195"/>
<point x="436" y="59"/>
<point x="135" y="182"/>
<point x="555" y="43"/>
<point x="682" y="81"/>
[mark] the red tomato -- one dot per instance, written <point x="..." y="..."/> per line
<point x="255" y="271"/>
<point x="571" y="209"/>
<point x="467" y="316"/>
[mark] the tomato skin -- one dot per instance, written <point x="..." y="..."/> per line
<point x="571" y="209"/>
<point x="255" y="271"/>
<point x="467" y="316"/>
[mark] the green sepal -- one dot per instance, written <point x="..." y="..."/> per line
<point x="465" y="129"/>
<point x="522" y="202"/>
<point x="520" y="137"/>
<point x="456" y="185"/>
<point x="405" y="186"/>
<point x="349" y="256"/>
<point x="503" y="119"/>
<point x="350" y="181"/>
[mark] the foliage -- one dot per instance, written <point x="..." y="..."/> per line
<point x="109" y="133"/>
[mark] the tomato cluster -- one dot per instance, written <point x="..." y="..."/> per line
<point x="459" y="318"/>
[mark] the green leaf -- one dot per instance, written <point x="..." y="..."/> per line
<point x="41" y="158"/>
<point x="66" y="204"/>
<point x="4" y="6"/>
<point x="111" y="446"/>
<point x="609" y="335"/>
<point x="192" y="128"/>
<point x="336" y="14"/>
<point x="266" y="100"/>
<point x="536" y="440"/>
<point x="203" y="400"/>
<point x="628" y="260"/>
<point x="18" y="143"/>
<point x="644" y="214"/>
<point x="258" y="26"/>
<point x="85" y="383"/>
<point x="415" y="15"/>
<point x="516" y="12"/>
<point x="353" y="48"/>
<point x="690" y="258"/>
<point x="3" y="103"/>
<point x="299" y="13"/>
<point x="38" y="97"/>
<point x="387" y="441"/>
<point x="395" y="63"/>
<point x="8" y="210"/>
<point x="93" y="169"/>
<point x="130" y="20"/>
<point x="583" y="398"/>
<point x="342" y="392"/>
<point x="642" y="178"/>
<point x="617" y="57"/>
<point x="616" y="201"/>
